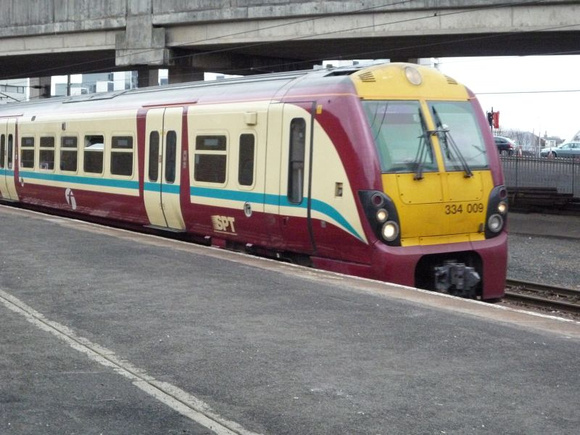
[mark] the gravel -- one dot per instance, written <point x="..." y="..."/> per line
<point x="545" y="260"/>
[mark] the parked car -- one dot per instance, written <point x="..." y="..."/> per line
<point x="505" y="146"/>
<point x="568" y="149"/>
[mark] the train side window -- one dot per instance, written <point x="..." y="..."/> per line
<point x="153" y="156"/>
<point x="246" y="162"/>
<point x="2" y="150"/>
<point x="27" y="152"/>
<point x="170" y="156"/>
<point x="296" y="164"/>
<point x="46" y="155"/>
<point x="210" y="159"/>
<point x="10" y="150"/>
<point x="68" y="153"/>
<point x="93" y="154"/>
<point x="122" y="155"/>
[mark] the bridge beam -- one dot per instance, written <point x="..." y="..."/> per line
<point x="75" y="36"/>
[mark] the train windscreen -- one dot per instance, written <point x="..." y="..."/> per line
<point x="400" y="136"/>
<point x="405" y="145"/>
<point x="460" y="137"/>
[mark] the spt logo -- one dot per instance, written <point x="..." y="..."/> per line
<point x="223" y="224"/>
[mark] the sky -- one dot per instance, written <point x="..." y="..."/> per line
<point x="526" y="90"/>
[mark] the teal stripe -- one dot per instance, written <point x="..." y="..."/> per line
<point x="231" y="195"/>
<point x="269" y="199"/>
<point x="156" y="187"/>
<point x="201" y="192"/>
<point x="89" y="181"/>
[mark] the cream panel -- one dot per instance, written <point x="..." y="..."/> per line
<point x="231" y="120"/>
<point x="328" y="170"/>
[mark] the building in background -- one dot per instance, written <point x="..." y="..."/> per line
<point x="13" y="90"/>
<point x="80" y="84"/>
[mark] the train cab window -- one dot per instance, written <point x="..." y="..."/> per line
<point x="122" y="155"/>
<point x="246" y="162"/>
<point x="93" y="154"/>
<point x="10" y="151"/>
<point x="2" y="150"/>
<point x="296" y="166"/>
<point x="399" y="130"/>
<point x="170" y="156"/>
<point x="46" y="154"/>
<point x="68" y="153"/>
<point x="27" y="152"/>
<point x="462" y="143"/>
<point x="210" y="159"/>
<point x="153" y="156"/>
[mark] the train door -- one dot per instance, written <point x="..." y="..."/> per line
<point x="7" y="161"/>
<point x="163" y="168"/>
<point x="296" y="177"/>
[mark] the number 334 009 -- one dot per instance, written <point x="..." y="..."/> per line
<point x="476" y="207"/>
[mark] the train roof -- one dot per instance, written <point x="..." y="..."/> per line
<point x="258" y="86"/>
<point x="273" y="86"/>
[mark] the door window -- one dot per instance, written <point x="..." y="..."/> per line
<point x="10" y="147"/>
<point x="296" y="166"/>
<point x="153" y="156"/>
<point x="246" y="163"/>
<point x="170" y="156"/>
<point x="2" y="150"/>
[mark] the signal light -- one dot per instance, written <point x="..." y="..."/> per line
<point x="495" y="119"/>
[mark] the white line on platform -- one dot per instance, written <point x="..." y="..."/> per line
<point x="170" y="395"/>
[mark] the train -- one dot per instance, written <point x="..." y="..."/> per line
<point x="386" y="171"/>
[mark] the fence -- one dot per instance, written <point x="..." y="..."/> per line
<point x="526" y="172"/>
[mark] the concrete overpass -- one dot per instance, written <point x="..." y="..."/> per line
<point x="50" y="37"/>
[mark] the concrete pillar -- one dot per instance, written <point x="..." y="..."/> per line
<point x="179" y="74"/>
<point x="141" y="43"/>
<point x="147" y="77"/>
<point x="40" y="87"/>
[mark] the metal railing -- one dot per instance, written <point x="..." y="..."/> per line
<point x="562" y="174"/>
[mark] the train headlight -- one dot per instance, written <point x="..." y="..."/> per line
<point x="502" y="207"/>
<point x="413" y="75"/>
<point x="495" y="223"/>
<point x="382" y="215"/>
<point x="390" y="231"/>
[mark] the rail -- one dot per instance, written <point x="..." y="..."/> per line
<point x="554" y="298"/>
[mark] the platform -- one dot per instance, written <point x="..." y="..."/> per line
<point x="105" y="331"/>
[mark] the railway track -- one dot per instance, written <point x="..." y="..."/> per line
<point x="561" y="299"/>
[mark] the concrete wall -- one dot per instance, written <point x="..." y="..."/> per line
<point x="25" y="17"/>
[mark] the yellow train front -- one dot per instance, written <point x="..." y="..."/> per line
<point x="439" y="212"/>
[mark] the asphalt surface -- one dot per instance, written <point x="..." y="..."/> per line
<point x="108" y="332"/>
<point x="549" y="225"/>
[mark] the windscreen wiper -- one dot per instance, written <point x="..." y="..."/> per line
<point x="446" y="138"/>
<point x="424" y="143"/>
